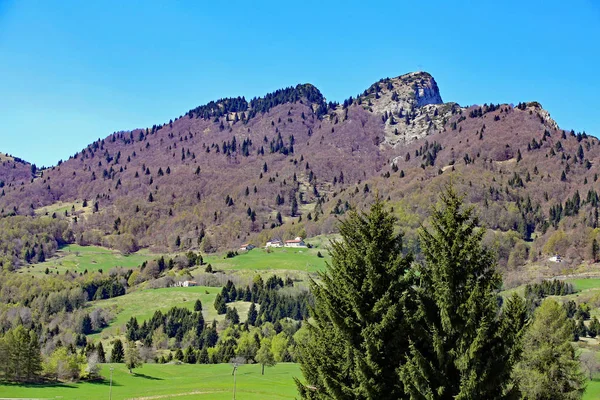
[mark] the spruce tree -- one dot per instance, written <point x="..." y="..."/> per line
<point x="252" y="314"/>
<point x="550" y="367"/>
<point x="101" y="353"/>
<point x="460" y="347"/>
<point x="117" y="353"/>
<point x="33" y="359"/>
<point x="220" y="304"/>
<point x="362" y="303"/>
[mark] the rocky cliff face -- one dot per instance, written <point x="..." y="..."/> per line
<point x="411" y="107"/>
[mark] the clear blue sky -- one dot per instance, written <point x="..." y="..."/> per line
<point x="75" y="71"/>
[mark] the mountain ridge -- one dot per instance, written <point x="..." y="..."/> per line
<point x="228" y="172"/>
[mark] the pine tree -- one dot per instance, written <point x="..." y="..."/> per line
<point x="198" y="305"/>
<point x="220" y="304"/>
<point x="117" y="353"/>
<point x="86" y="324"/>
<point x="460" y="348"/>
<point x="361" y="314"/>
<point x="550" y="368"/>
<point x="190" y="356"/>
<point x="101" y="353"/>
<point x="203" y="356"/>
<point x="33" y="358"/>
<point x="594" y="328"/>
<point x="252" y="314"/>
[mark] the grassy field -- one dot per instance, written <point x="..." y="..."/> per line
<point x="60" y="208"/>
<point x="259" y="259"/>
<point x="78" y="258"/>
<point x="593" y="390"/>
<point x="585" y="283"/>
<point x="143" y="303"/>
<point x="155" y="381"/>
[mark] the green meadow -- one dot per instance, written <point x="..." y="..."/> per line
<point x="76" y="258"/>
<point x="259" y="259"/>
<point x="582" y="284"/>
<point x="143" y="303"/>
<point x="164" y="381"/>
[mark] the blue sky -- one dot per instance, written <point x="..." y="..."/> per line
<point x="73" y="71"/>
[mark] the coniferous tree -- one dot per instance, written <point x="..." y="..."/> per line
<point x="198" y="305"/>
<point x="33" y="357"/>
<point x="252" y="314"/>
<point x="550" y="368"/>
<point x="460" y="348"/>
<point x="361" y="313"/>
<point x="220" y="304"/>
<point x="101" y="353"/>
<point x="594" y="328"/>
<point x="86" y="324"/>
<point x="117" y="353"/>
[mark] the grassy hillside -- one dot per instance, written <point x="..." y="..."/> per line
<point x="306" y="260"/>
<point x="185" y="381"/>
<point x="76" y="258"/>
<point x="143" y="303"/>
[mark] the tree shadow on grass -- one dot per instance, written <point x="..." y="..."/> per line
<point x="104" y="382"/>
<point x="41" y="385"/>
<point x="152" y="378"/>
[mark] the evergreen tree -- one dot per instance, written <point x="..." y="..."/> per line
<point x="252" y="314"/>
<point x="86" y="324"/>
<point x="220" y="304"/>
<point x="101" y="353"/>
<point x="594" y="328"/>
<point x="361" y="315"/>
<point x="190" y="356"/>
<point x="33" y="357"/>
<point x="198" y="305"/>
<point x="549" y="368"/>
<point x="179" y="355"/>
<point x="117" y="353"/>
<point x="132" y="329"/>
<point x="581" y="329"/>
<point x="232" y="315"/>
<point x="203" y="357"/>
<point x="460" y="348"/>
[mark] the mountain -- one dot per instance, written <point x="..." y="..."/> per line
<point x="13" y="170"/>
<point x="289" y="164"/>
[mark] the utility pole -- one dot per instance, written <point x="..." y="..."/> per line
<point x="110" y="390"/>
<point x="235" y="366"/>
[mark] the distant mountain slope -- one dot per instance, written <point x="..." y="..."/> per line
<point x="14" y="170"/>
<point x="289" y="164"/>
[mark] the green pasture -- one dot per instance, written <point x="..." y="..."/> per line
<point x="582" y="284"/>
<point x="259" y="259"/>
<point x="593" y="390"/>
<point x="76" y="258"/>
<point x="184" y="381"/>
<point x="143" y="303"/>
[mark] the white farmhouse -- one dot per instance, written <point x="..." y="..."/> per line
<point x="274" y="243"/>
<point x="298" y="242"/>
